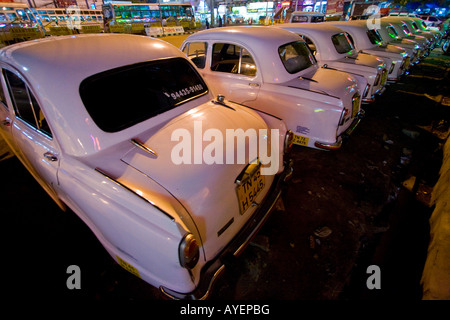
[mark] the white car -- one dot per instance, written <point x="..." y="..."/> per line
<point x="419" y="27"/>
<point x="422" y="27"/>
<point x="402" y="31"/>
<point x="333" y="50"/>
<point x="410" y="27"/>
<point x="274" y="71"/>
<point x="368" y="41"/>
<point x="431" y="21"/>
<point x="306" y="16"/>
<point x="98" y="119"/>
<point x="390" y="36"/>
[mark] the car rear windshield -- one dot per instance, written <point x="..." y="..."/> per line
<point x="296" y="56"/>
<point x="342" y="43"/>
<point x="392" y="32"/>
<point x="120" y="98"/>
<point x="374" y="36"/>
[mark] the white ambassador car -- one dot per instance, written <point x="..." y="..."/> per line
<point x="401" y="31"/>
<point x="368" y="41"/>
<point x="411" y="29"/>
<point x="418" y="27"/>
<point x="333" y="50"/>
<point x="102" y="121"/>
<point x="273" y="70"/>
<point x="390" y="36"/>
<point x="422" y="27"/>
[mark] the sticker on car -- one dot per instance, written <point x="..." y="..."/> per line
<point x="128" y="267"/>
<point x="300" y="140"/>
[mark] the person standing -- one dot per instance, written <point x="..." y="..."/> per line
<point x="207" y="24"/>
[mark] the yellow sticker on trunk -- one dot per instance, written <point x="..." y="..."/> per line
<point x="128" y="267"/>
<point x="300" y="140"/>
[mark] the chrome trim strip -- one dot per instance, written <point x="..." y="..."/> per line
<point x="142" y="146"/>
<point x="109" y="177"/>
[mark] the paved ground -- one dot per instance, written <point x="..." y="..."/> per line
<point x="344" y="211"/>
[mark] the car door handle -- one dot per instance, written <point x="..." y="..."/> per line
<point x="254" y="85"/>
<point x="6" y="123"/>
<point x="50" y="156"/>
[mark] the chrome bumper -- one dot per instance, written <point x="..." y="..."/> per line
<point x="214" y="268"/>
<point x="344" y="135"/>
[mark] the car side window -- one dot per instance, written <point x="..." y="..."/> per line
<point x="231" y="58"/>
<point x="196" y="51"/>
<point x="2" y="96"/>
<point x="317" y="19"/>
<point x="25" y="104"/>
<point x="310" y="44"/>
<point x="299" y="19"/>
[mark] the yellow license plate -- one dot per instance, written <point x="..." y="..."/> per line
<point x="250" y="186"/>
<point x="355" y="106"/>
<point x="406" y="63"/>
<point x="384" y="78"/>
<point x="300" y="140"/>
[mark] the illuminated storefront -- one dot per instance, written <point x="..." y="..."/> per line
<point x="246" y="11"/>
<point x="313" y="5"/>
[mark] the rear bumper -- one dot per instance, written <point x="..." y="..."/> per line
<point x="343" y="136"/>
<point x="214" y="268"/>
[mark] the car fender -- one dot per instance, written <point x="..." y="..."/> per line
<point x="130" y="228"/>
<point x="311" y="114"/>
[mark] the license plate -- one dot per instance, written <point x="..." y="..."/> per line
<point x="300" y="140"/>
<point x="355" y="106"/>
<point x="251" y="184"/>
<point x="406" y="63"/>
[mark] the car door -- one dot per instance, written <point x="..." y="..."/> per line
<point x="229" y="68"/>
<point x="5" y="120"/>
<point x="31" y="134"/>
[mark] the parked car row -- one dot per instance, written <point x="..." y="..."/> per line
<point x="175" y="157"/>
<point x="293" y="70"/>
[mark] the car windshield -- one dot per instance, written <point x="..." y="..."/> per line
<point x="120" y="98"/>
<point x="296" y="56"/>
<point x="342" y="43"/>
<point x="374" y="36"/>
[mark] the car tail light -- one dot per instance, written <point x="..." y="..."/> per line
<point x="344" y="115"/>
<point x="377" y="79"/>
<point x="366" y="91"/>
<point x="288" y="141"/>
<point x="392" y="67"/>
<point x="356" y="101"/>
<point x="189" y="252"/>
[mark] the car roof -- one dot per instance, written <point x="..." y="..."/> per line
<point x="321" y="34"/>
<point x="313" y="28"/>
<point x="87" y="54"/>
<point x="54" y="68"/>
<point x="263" y="42"/>
<point x="255" y="36"/>
<point x="359" y="30"/>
